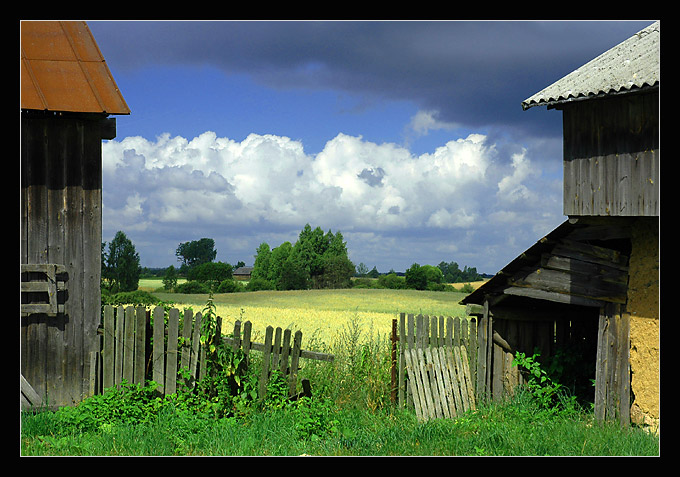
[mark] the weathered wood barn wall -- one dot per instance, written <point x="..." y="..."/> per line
<point x="67" y="94"/>
<point x="591" y="286"/>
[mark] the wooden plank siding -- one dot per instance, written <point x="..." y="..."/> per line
<point x="611" y="156"/>
<point x="61" y="225"/>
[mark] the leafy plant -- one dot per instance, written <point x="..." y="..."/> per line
<point x="539" y="384"/>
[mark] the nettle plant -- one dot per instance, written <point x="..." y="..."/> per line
<point x="540" y="385"/>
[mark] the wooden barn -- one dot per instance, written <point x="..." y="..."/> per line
<point x="67" y="96"/>
<point x="589" y="290"/>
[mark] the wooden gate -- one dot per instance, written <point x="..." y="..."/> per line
<point x="435" y="369"/>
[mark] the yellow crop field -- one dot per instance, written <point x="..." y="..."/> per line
<point x="321" y="314"/>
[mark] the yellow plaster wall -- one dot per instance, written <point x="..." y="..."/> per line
<point x="643" y="306"/>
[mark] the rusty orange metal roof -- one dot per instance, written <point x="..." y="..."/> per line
<point x="62" y="69"/>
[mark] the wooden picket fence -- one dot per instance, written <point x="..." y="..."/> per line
<point x="128" y="353"/>
<point x="436" y="364"/>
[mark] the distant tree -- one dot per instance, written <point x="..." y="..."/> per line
<point x="121" y="266"/>
<point x="294" y="274"/>
<point x="362" y="270"/>
<point x="317" y="259"/>
<point x="170" y="278"/>
<point x="210" y="272"/>
<point x="196" y="252"/>
<point x="262" y="263"/>
<point x="415" y="277"/>
<point x="374" y="273"/>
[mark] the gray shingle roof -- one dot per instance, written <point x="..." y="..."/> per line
<point x="631" y="65"/>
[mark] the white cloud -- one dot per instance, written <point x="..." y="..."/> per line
<point x="425" y="121"/>
<point x="267" y="186"/>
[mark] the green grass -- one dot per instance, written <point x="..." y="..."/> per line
<point x="515" y="429"/>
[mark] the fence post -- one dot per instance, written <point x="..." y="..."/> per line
<point x="159" y="348"/>
<point x="108" y="348"/>
<point x="171" y="355"/>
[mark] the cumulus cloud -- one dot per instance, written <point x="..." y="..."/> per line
<point x="267" y="184"/>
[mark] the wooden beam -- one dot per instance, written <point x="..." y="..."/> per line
<point x="552" y="296"/>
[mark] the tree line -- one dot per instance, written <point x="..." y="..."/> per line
<point x="317" y="259"/>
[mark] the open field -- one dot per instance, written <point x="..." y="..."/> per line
<point x="322" y="313"/>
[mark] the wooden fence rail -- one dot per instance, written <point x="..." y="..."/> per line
<point x="128" y="352"/>
<point x="436" y="364"/>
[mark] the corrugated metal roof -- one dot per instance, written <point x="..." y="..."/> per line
<point x="62" y="69"/>
<point x="631" y="65"/>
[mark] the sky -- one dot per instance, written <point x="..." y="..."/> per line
<point x="408" y="137"/>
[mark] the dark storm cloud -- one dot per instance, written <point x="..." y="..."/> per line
<point x="473" y="73"/>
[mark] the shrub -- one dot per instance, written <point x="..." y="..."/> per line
<point x="230" y="286"/>
<point x="137" y="297"/>
<point x="192" y="287"/>
<point x="210" y="272"/>
<point x="467" y="288"/>
<point x="257" y="284"/>
<point x="392" y="281"/>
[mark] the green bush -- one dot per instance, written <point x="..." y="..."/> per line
<point x="392" y="281"/>
<point x="230" y="286"/>
<point x="210" y="272"/>
<point x="137" y="297"/>
<point x="257" y="284"/>
<point x="193" y="287"/>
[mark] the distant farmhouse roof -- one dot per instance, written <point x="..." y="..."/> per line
<point x="243" y="271"/>
<point x="631" y="65"/>
<point x="62" y="69"/>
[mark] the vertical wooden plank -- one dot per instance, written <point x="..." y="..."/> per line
<point x="447" y="381"/>
<point x="236" y="344"/>
<point x="460" y="374"/>
<point x="187" y="326"/>
<point x="245" y="342"/>
<point x="483" y="339"/>
<point x="413" y="377"/>
<point x="601" y="366"/>
<point x="472" y="350"/>
<point x="402" y="360"/>
<point x="195" y="354"/>
<point x="411" y="339"/>
<point x="425" y="379"/>
<point x="449" y="333"/>
<point x="108" y="348"/>
<point x="120" y="323"/>
<point x="285" y="352"/>
<point x="129" y="345"/>
<point x="294" y="362"/>
<point x="266" y="360"/>
<point x="428" y="364"/>
<point x="453" y="374"/>
<point x="420" y="331"/>
<point x="439" y="385"/>
<point x="434" y="328"/>
<point x="172" y="355"/>
<point x="276" y="352"/>
<point x="623" y="370"/>
<point x="94" y="371"/>
<point x="140" y="343"/>
<point x="456" y="331"/>
<point x="498" y="374"/>
<point x="159" y="348"/>
<point x="466" y="374"/>
<point x="489" y="358"/>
